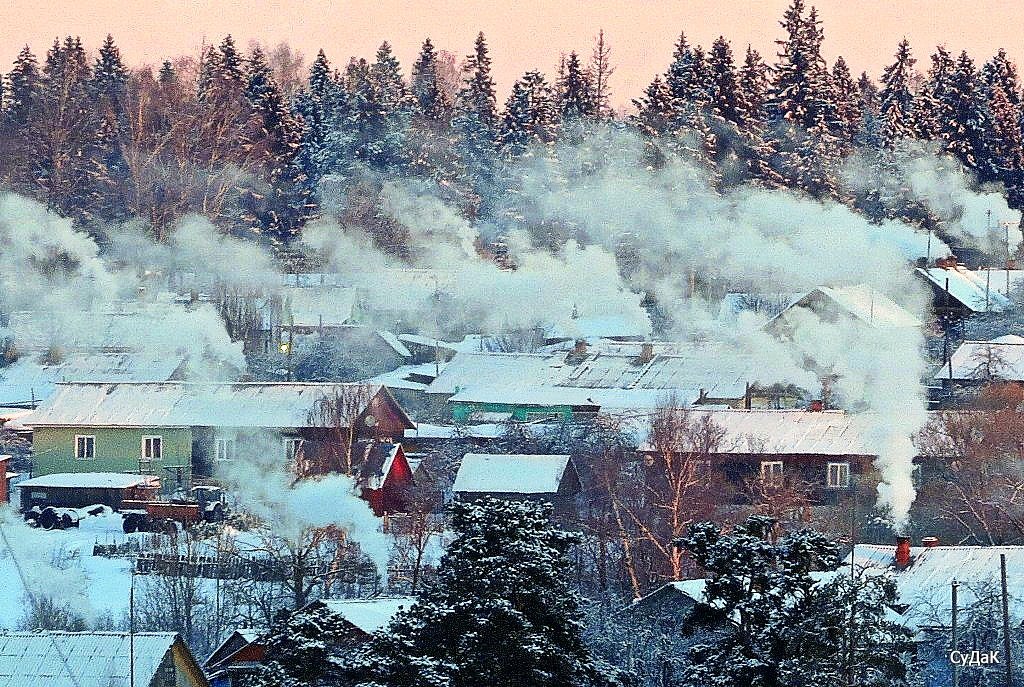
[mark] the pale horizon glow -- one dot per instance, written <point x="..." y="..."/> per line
<point x="523" y="35"/>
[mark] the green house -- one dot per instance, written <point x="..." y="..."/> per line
<point x="175" y="429"/>
<point x="559" y="403"/>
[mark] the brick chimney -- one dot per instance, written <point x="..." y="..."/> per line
<point x="646" y="353"/>
<point x="5" y="488"/>
<point x="816" y="406"/>
<point x="580" y="348"/>
<point x="930" y="542"/>
<point x="902" y="551"/>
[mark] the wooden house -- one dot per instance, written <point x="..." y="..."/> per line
<point x="384" y="475"/>
<point x="175" y="429"/>
<point x="550" y="479"/>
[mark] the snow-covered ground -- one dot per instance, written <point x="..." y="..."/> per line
<point x="60" y="562"/>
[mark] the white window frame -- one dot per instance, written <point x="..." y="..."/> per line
<point x="87" y="439"/>
<point x="148" y="442"/>
<point x="292" y="445"/>
<point x="842" y="472"/>
<point x="219" y="453"/>
<point x="769" y="473"/>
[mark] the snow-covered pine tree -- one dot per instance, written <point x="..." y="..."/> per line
<point x="1007" y="143"/>
<point x="655" y="112"/>
<point x="726" y="98"/>
<point x="304" y="648"/>
<point x="317" y="105"/>
<point x="167" y="74"/>
<point x="109" y="166"/>
<point x="529" y="116"/>
<point x="228" y="65"/>
<point x="790" y="619"/>
<point x="896" y="97"/>
<point x="500" y="611"/>
<point x="932" y="104"/>
<point x="429" y="101"/>
<point x="476" y="127"/>
<point x="278" y="212"/>
<point x="848" y="112"/>
<point x="23" y="91"/>
<point x="802" y="110"/>
<point x="1002" y="72"/>
<point x="967" y="134"/>
<point x="575" y="92"/>
<point x="754" y="87"/>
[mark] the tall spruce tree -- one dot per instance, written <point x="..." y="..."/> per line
<point x="506" y="577"/>
<point x="425" y="90"/>
<point x="575" y="92"/>
<point x="846" y="97"/>
<point x="897" y="99"/>
<point x="601" y="70"/>
<point x="966" y="134"/>
<point x="726" y="98"/>
<point x="529" y="117"/>
<point x="932" y="105"/>
<point x="476" y="127"/>
<point x="23" y="93"/>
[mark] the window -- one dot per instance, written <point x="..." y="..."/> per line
<point x="85" y="447"/>
<point x="152" y="448"/>
<point x="292" y="446"/>
<point x="225" y="449"/>
<point x="838" y="476"/>
<point x="771" y="472"/>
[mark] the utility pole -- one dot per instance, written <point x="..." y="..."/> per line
<point x="851" y="677"/>
<point x="131" y="630"/>
<point x="956" y="666"/>
<point x="1006" y="622"/>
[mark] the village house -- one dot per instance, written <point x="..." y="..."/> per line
<point x="489" y="387"/>
<point x="960" y="292"/>
<point x="822" y="454"/>
<point x="177" y="429"/>
<point x="97" y="659"/>
<point x="861" y="304"/>
<point x="551" y="479"/>
<point x="925" y="576"/>
<point x="384" y="475"/>
<point x="235" y="661"/>
<point x="976" y="362"/>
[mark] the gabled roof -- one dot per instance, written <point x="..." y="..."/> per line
<point x="188" y="404"/>
<point x="860" y="302"/>
<point x="788" y="432"/>
<point x="96" y="659"/>
<point x="924" y="585"/>
<point x="968" y="288"/>
<point x="482" y="473"/>
<point x="369" y="615"/>
<point x="1001" y="358"/>
<point x="490" y="370"/>
<point x="377" y="460"/>
<point x="28" y="379"/>
<point x="315" y="306"/>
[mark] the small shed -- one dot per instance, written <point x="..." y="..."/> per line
<point x="384" y="475"/>
<point x="79" y="489"/>
<point x="550" y="478"/>
<point x="234" y="662"/>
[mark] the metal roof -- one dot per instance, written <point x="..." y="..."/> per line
<point x="96" y="659"/>
<point x="975" y="290"/>
<point x="789" y="432"/>
<point x="187" y="404"/>
<point x="484" y="473"/>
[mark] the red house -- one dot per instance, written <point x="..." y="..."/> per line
<point x="384" y="476"/>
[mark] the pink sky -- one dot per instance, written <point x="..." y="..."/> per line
<point x="523" y="35"/>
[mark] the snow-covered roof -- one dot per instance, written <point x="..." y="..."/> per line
<point x="395" y="343"/>
<point x="924" y="585"/>
<point x="187" y="404"/>
<point x="789" y="432"/>
<point x="482" y="473"/>
<point x="405" y="377"/>
<point x="94" y="659"/>
<point x="487" y="430"/>
<point x="969" y="287"/>
<point x="90" y="480"/>
<point x="860" y="302"/>
<point x="606" y="400"/>
<point x="598" y="326"/>
<point x="315" y="306"/>
<point x="28" y="379"/>
<point x="369" y="615"/>
<point x="1000" y="358"/>
<point x="609" y="380"/>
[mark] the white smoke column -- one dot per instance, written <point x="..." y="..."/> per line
<point x="50" y="572"/>
<point x="290" y="509"/>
